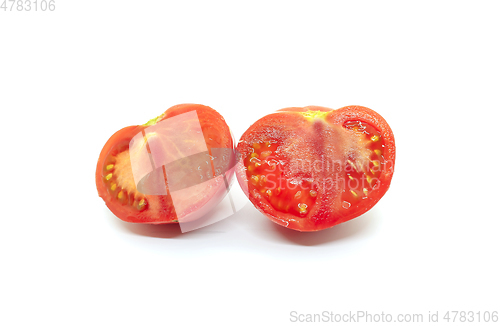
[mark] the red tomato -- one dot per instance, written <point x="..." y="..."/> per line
<point x="312" y="168"/>
<point x="173" y="168"/>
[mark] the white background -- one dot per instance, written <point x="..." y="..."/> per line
<point x="70" y="78"/>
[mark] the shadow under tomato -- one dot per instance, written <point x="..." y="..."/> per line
<point x="254" y="222"/>
<point x="165" y="231"/>
<point x="345" y="230"/>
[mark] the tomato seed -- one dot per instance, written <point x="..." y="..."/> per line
<point x="302" y="208"/>
<point x="142" y="204"/>
<point x="255" y="180"/>
<point x="265" y="154"/>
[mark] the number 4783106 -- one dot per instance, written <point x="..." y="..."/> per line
<point x="28" y="5"/>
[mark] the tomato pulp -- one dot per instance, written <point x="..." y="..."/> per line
<point x="312" y="168"/>
<point x="174" y="168"/>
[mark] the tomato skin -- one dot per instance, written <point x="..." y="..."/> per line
<point x="160" y="208"/>
<point x="328" y="208"/>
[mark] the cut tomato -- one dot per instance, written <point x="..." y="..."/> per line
<point x="312" y="168"/>
<point x="174" y="168"/>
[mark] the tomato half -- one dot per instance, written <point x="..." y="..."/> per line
<point x="312" y="168"/>
<point x="174" y="168"/>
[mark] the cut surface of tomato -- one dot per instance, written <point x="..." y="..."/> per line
<point x="312" y="168"/>
<point x="174" y="168"/>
